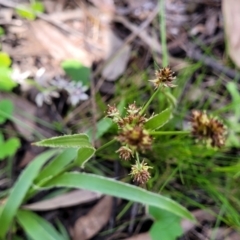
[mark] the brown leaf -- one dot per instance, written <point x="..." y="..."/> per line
<point x="57" y="44"/>
<point x="25" y="125"/>
<point x="231" y="10"/>
<point x="89" y="225"/>
<point x="65" y="200"/>
<point x="118" y="65"/>
<point x="200" y="215"/>
<point x="142" y="236"/>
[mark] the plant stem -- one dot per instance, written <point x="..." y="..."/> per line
<point x="163" y="33"/>
<point x="148" y="102"/>
<point x="137" y="158"/>
<point x="105" y="145"/>
<point x="169" y="133"/>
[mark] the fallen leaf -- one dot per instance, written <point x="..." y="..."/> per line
<point x="65" y="200"/>
<point x="231" y="16"/>
<point x="89" y="225"/>
<point x="25" y="125"/>
<point x="200" y="215"/>
<point x="118" y="65"/>
<point x="142" y="236"/>
<point x="57" y="44"/>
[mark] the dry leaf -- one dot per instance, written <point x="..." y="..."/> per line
<point x="142" y="236"/>
<point x="89" y="225"/>
<point x="57" y="44"/>
<point x="118" y="65"/>
<point x="65" y="200"/>
<point x="21" y="105"/>
<point x="231" y="10"/>
<point x="200" y="215"/>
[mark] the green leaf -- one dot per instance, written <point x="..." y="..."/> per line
<point x="6" y="107"/>
<point x="37" y="7"/>
<point x="57" y="164"/>
<point x="66" y="141"/>
<point x="76" y="71"/>
<point x="20" y="189"/>
<point x="167" y="225"/>
<point x="5" y="60"/>
<point x="2" y="32"/>
<point x="6" y="82"/>
<point x="37" y="227"/>
<point x="159" y="120"/>
<point x="84" y="154"/>
<point x="118" y="189"/>
<point x="25" y="12"/>
<point x="9" y="147"/>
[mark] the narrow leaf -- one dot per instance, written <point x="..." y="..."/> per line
<point x="6" y="108"/>
<point x="66" y="141"/>
<point x="159" y="120"/>
<point x="118" y="189"/>
<point x="57" y="164"/>
<point x="20" y="189"/>
<point x="36" y="227"/>
<point x="84" y="154"/>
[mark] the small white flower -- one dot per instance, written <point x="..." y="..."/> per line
<point x="76" y="92"/>
<point x="45" y="96"/>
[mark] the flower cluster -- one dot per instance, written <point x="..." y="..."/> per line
<point x="164" y="77"/>
<point x="133" y="137"/>
<point x="208" y="129"/>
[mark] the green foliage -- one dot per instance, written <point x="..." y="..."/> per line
<point x="30" y="11"/>
<point x="8" y="147"/>
<point x="118" y="189"/>
<point x="5" y="60"/>
<point x="66" y="141"/>
<point x="166" y="224"/>
<point x="37" y="227"/>
<point x="6" y="82"/>
<point x="6" y="109"/>
<point x="20" y="189"/>
<point x="159" y="120"/>
<point x="2" y="32"/>
<point x="77" y="72"/>
<point x="233" y="121"/>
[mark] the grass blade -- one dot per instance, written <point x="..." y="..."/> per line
<point x="66" y="141"/>
<point x="36" y="227"/>
<point x="118" y="189"/>
<point x="20" y="189"/>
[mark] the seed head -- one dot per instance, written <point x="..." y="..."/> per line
<point x="125" y="153"/>
<point x="164" y="77"/>
<point x="136" y="137"/>
<point x="208" y="129"/>
<point x="113" y="113"/>
<point x="140" y="173"/>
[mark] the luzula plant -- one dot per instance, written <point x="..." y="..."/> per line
<point x="136" y="133"/>
<point x="135" y="138"/>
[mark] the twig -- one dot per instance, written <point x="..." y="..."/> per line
<point x="197" y="55"/>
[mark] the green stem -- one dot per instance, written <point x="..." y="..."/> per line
<point x="148" y="102"/>
<point x="105" y="145"/>
<point x="137" y="158"/>
<point x="33" y="191"/>
<point x="163" y="33"/>
<point x="169" y="133"/>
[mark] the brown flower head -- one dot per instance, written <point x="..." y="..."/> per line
<point x="140" y="173"/>
<point x="208" y="129"/>
<point x="164" y="77"/>
<point x="136" y="137"/>
<point x="113" y="113"/>
<point x="125" y="153"/>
